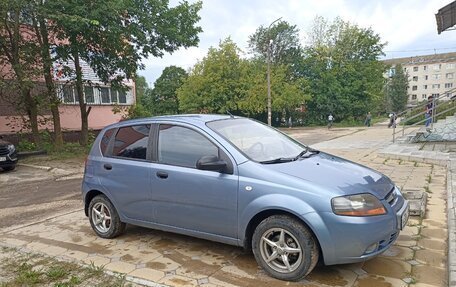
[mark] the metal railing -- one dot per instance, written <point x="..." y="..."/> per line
<point x="435" y="104"/>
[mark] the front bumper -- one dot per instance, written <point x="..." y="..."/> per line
<point x="355" y="239"/>
<point x="8" y="159"/>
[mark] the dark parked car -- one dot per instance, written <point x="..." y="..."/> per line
<point x="8" y="156"/>
<point x="238" y="181"/>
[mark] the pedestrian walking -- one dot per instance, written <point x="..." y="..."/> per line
<point x="330" y="121"/>
<point x="428" y="111"/>
<point x="392" y="120"/>
<point x="367" y="122"/>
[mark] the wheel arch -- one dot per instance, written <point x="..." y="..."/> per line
<point x="88" y="198"/>
<point x="260" y="216"/>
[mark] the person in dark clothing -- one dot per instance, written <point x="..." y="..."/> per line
<point x="428" y="115"/>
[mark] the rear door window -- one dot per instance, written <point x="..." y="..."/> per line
<point x="182" y="146"/>
<point x="131" y="142"/>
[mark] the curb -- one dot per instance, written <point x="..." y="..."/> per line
<point x="447" y="160"/>
<point x="24" y="154"/>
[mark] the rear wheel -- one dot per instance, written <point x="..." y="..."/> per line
<point x="285" y="248"/>
<point x="104" y="219"/>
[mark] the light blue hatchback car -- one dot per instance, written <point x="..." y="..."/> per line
<point x="237" y="181"/>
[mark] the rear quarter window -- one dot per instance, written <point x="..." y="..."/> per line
<point x="105" y="141"/>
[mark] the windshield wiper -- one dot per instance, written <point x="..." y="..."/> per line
<point x="306" y="150"/>
<point x="278" y="160"/>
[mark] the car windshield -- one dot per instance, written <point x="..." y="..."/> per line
<point x="257" y="141"/>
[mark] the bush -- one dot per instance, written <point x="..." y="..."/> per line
<point x="26" y="145"/>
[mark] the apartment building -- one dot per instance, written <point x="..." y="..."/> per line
<point x="429" y="75"/>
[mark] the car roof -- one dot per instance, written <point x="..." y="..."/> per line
<point x="186" y="118"/>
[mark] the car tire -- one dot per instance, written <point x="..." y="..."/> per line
<point x="285" y="248"/>
<point x="104" y="219"/>
<point x="9" y="168"/>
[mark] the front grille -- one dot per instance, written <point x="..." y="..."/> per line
<point x="4" y="150"/>
<point x="391" y="197"/>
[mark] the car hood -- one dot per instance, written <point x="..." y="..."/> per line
<point x="336" y="174"/>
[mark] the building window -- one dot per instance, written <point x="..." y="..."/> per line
<point x="435" y="95"/>
<point x="414" y="88"/>
<point x="105" y="98"/>
<point x="415" y="69"/>
<point x="450" y="65"/>
<point x="122" y="97"/>
<point x="426" y="77"/>
<point x="94" y="95"/>
<point x="413" y="97"/>
<point x="88" y="93"/>
<point x="449" y="75"/>
<point x="436" y="67"/>
<point x="68" y="96"/>
<point x="425" y="68"/>
<point x="425" y="87"/>
<point x="423" y="96"/>
<point x="415" y="78"/>
<point x="448" y="85"/>
<point x="448" y="95"/>
<point x="436" y="86"/>
<point x="436" y="76"/>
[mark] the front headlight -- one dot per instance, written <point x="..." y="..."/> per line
<point x="11" y="148"/>
<point x="357" y="205"/>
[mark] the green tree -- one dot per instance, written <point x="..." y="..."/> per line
<point x="112" y="36"/>
<point x="396" y="89"/>
<point x="19" y="61"/>
<point x="286" y="94"/>
<point x="223" y="82"/>
<point x="342" y="67"/>
<point x="285" y="46"/>
<point x="214" y="83"/>
<point x="162" y="99"/>
<point x="141" y="87"/>
<point x="41" y="27"/>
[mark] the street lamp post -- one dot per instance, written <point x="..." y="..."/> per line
<point x="269" y="71"/>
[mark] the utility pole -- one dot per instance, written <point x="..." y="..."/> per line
<point x="269" y="71"/>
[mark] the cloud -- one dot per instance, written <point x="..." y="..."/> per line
<point x="406" y="25"/>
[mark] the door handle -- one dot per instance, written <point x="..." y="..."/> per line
<point x="107" y="166"/>
<point x="162" y="174"/>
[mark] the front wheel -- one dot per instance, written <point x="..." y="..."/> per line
<point x="104" y="219"/>
<point x="285" y="248"/>
<point x="9" y="168"/>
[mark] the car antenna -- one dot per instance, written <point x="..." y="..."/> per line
<point x="231" y="115"/>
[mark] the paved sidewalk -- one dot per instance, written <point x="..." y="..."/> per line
<point x="154" y="258"/>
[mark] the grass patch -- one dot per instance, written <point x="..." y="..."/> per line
<point x="386" y="160"/>
<point x="415" y="164"/>
<point x="19" y="269"/>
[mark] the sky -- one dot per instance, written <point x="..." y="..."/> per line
<point x="407" y="26"/>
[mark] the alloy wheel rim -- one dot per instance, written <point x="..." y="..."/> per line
<point x="281" y="250"/>
<point x="101" y="217"/>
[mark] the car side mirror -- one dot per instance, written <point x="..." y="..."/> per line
<point x="211" y="162"/>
